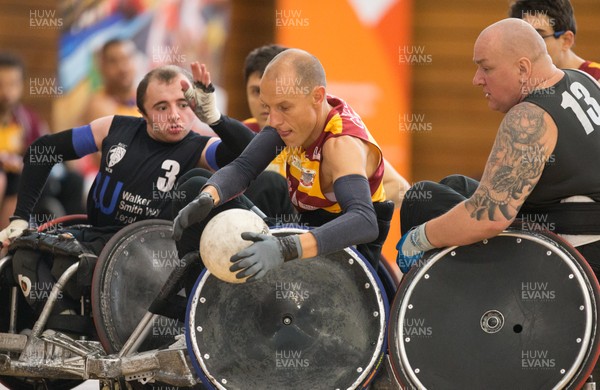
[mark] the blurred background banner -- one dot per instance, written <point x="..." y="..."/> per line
<point x="365" y="48"/>
<point x="164" y="32"/>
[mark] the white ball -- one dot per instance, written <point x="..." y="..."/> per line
<point x="222" y="239"/>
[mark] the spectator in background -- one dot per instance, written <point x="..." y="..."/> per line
<point x="555" y="22"/>
<point x="19" y="127"/>
<point x="116" y="61"/>
<point x="118" y="69"/>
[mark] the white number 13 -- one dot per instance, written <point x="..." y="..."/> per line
<point x="592" y="113"/>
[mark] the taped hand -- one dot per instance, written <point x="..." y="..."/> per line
<point x="201" y="97"/>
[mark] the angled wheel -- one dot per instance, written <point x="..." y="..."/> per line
<point x="129" y="273"/>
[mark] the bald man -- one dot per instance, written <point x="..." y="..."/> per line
<point x="394" y="184"/>
<point x="542" y="157"/>
<point x="334" y="170"/>
<point x="542" y="162"/>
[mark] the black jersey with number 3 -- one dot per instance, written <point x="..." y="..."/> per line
<point x="573" y="167"/>
<point x="138" y="174"/>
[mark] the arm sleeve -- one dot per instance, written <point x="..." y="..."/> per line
<point x="235" y="136"/>
<point x="42" y="155"/>
<point x="358" y="222"/>
<point x="232" y="180"/>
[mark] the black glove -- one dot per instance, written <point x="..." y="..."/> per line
<point x="193" y="213"/>
<point x="266" y="253"/>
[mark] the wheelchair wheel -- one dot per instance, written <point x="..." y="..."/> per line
<point x="129" y="273"/>
<point x="519" y="310"/>
<point x="318" y="323"/>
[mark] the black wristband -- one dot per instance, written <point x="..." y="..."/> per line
<point x="289" y="247"/>
<point x="205" y="88"/>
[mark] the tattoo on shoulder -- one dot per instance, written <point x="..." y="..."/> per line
<point x="515" y="164"/>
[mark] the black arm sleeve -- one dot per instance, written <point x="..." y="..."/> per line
<point x="358" y="222"/>
<point x="234" y="178"/>
<point x="38" y="161"/>
<point x="235" y="136"/>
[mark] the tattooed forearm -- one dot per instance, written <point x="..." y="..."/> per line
<point x="515" y="164"/>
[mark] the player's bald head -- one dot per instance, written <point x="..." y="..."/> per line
<point x="513" y="39"/>
<point x="305" y="68"/>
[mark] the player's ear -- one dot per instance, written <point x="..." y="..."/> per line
<point x="524" y="68"/>
<point x="318" y="94"/>
<point x="567" y="40"/>
<point x="143" y="114"/>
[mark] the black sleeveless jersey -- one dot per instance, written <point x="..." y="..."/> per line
<point x="574" y="166"/>
<point x="137" y="175"/>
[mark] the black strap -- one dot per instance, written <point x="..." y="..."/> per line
<point x="564" y="218"/>
<point x="56" y="244"/>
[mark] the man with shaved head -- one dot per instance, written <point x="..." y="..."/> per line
<point x="542" y="160"/>
<point x="334" y="170"/>
<point x="256" y="62"/>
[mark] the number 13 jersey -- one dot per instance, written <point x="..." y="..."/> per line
<point x="573" y="167"/>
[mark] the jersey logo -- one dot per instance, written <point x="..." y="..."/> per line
<point x="308" y="176"/>
<point x="317" y="153"/>
<point x="115" y="154"/>
<point x="99" y="193"/>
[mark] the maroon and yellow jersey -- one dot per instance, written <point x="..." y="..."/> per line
<point x="252" y="124"/>
<point x="303" y="166"/>
<point x="592" y="68"/>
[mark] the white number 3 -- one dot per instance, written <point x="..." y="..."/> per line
<point x="167" y="182"/>
<point x="592" y="113"/>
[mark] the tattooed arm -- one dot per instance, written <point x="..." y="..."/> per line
<point x="525" y="140"/>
